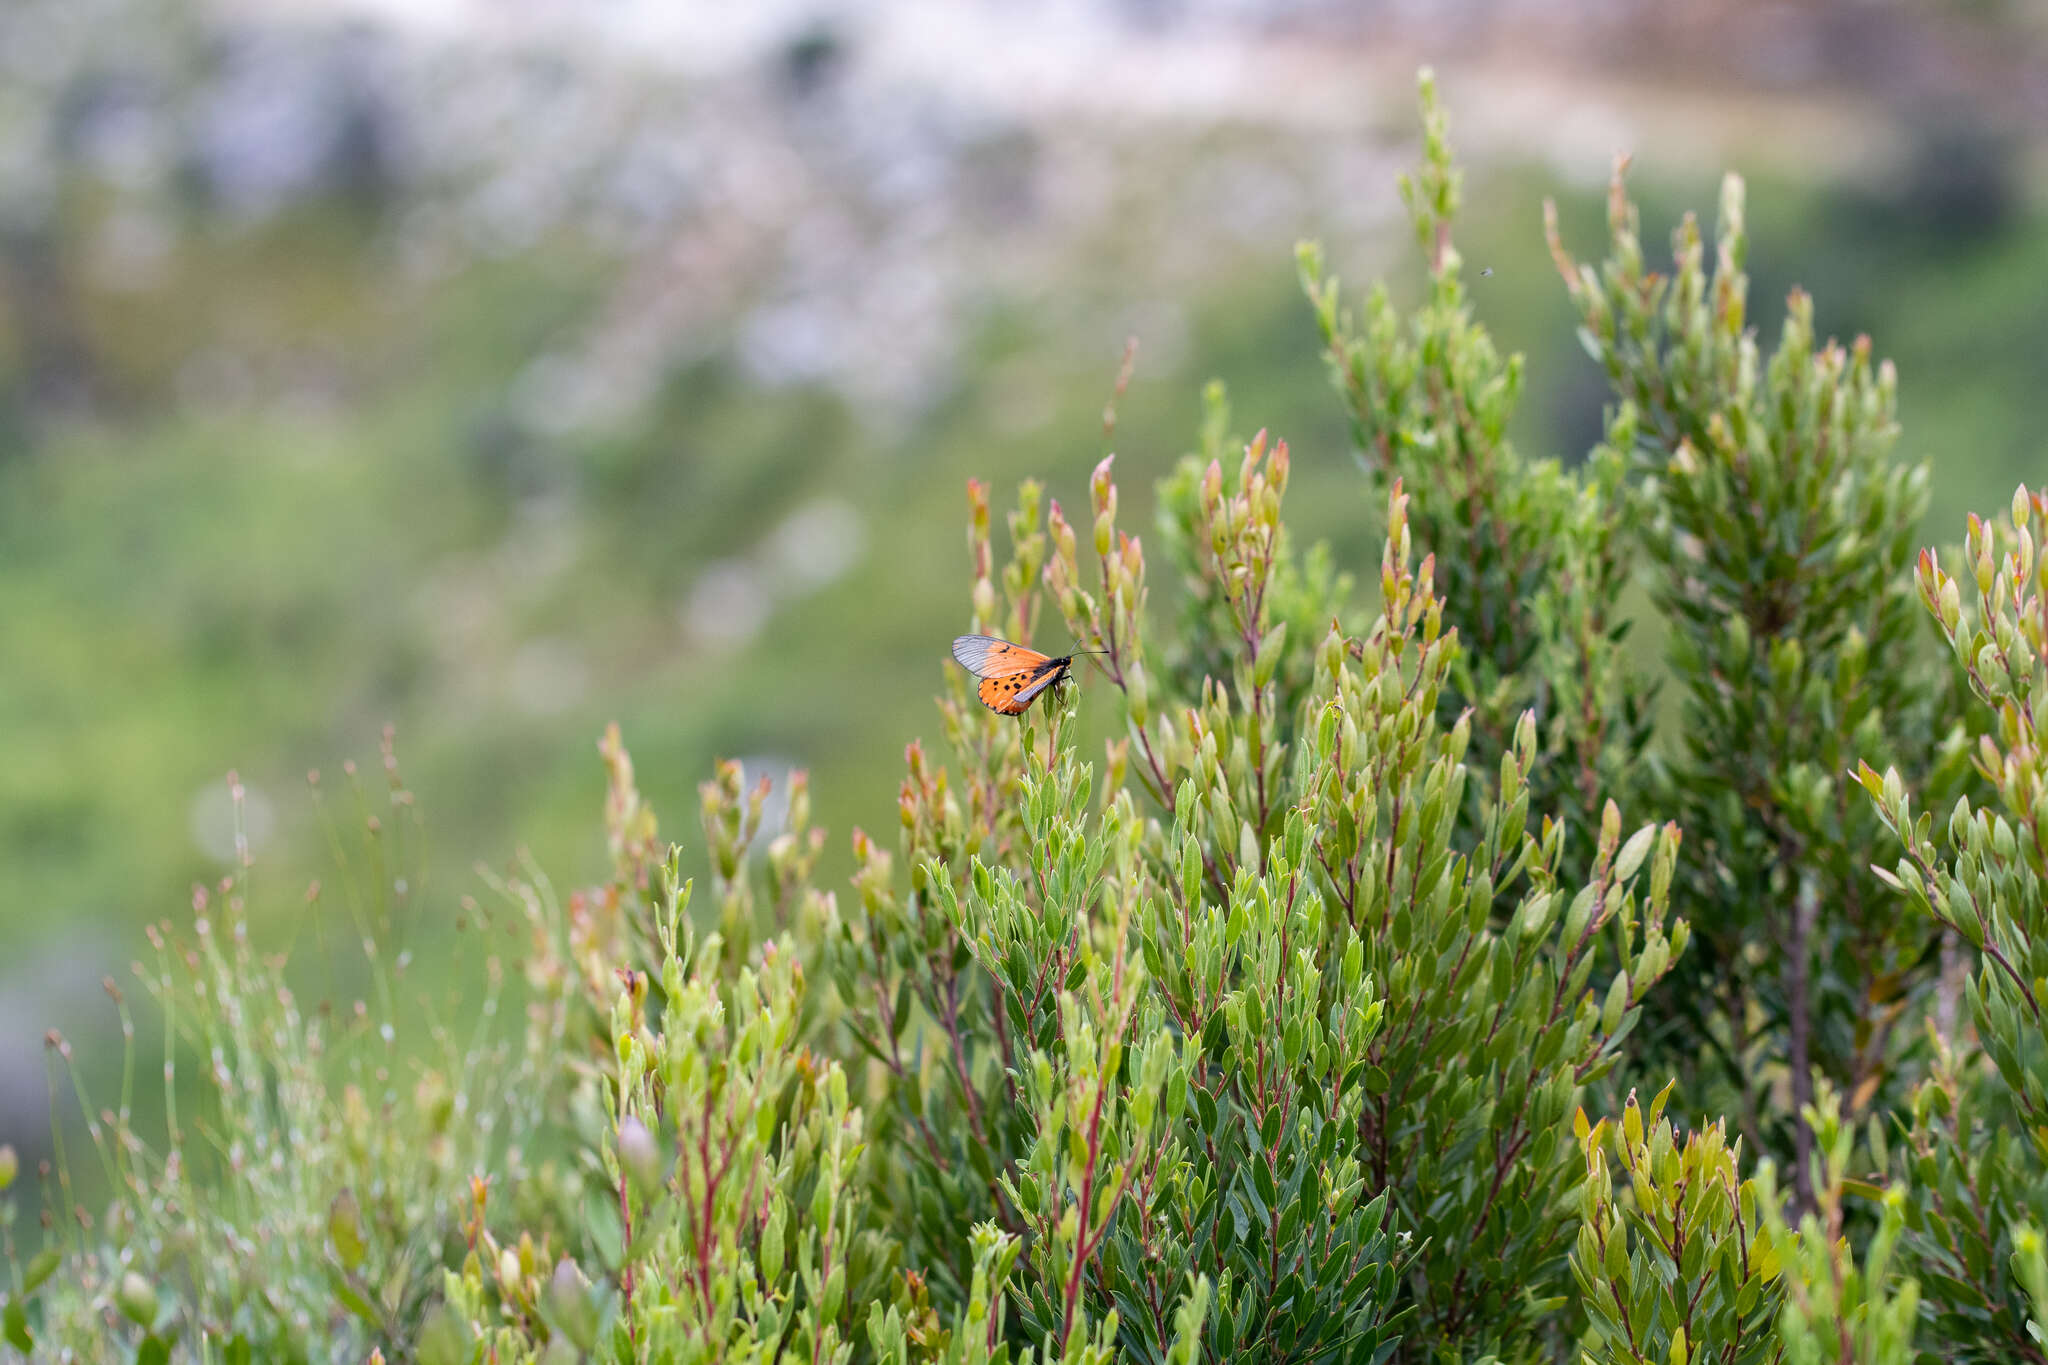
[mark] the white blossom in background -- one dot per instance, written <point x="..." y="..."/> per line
<point x="727" y="605"/>
<point x="815" y="547"/>
<point x="731" y="599"/>
<point x="548" y="676"/>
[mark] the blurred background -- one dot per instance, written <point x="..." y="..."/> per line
<point x="498" y="368"/>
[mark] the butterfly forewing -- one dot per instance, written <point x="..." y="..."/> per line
<point x="987" y="657"/>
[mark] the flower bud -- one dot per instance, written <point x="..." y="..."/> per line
<point x="1253" y="453"/>
<point x="637" y="1152"/>
<point x="1062" y="532"/>
<point x="136" y="1298"/>
<point x="570" y="1306"/>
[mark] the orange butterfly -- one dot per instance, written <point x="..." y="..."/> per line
<point x="1011" y="675"/>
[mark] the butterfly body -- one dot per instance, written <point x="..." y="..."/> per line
<point x="1011" y="675"/>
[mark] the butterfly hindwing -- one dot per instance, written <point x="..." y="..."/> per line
<point x="1010" y="694"/>
<point x="1046" y="678"/>
<point x="999" y="696"/>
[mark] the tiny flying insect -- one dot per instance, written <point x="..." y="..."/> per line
<point x="1011" y="675"/>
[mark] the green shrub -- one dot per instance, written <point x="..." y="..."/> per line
<point x="312" y="1181"/>
<point x="1272" y="1032"/>
<point x="1782" y="538"/>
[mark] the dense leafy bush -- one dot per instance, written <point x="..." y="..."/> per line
<point x="1310" y="1020"/>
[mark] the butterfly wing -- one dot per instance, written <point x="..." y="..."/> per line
<point x="1012" y="694"/>
<point x="1011" y="675"/>
<point x="987" y="657"/>
<point x="1046" y="678"/>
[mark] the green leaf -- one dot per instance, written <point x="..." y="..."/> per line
<point x="1205" y="1108"/>
<point x="352" y="1298"/>
<point x="345" y="1229"/>
<point x="445" y="1338"/>
<point x="1263" y="1182"/>
<point x="40" y="1269"/>
<point x="771" y="1244"/>
<point x="1633" y="852"/>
